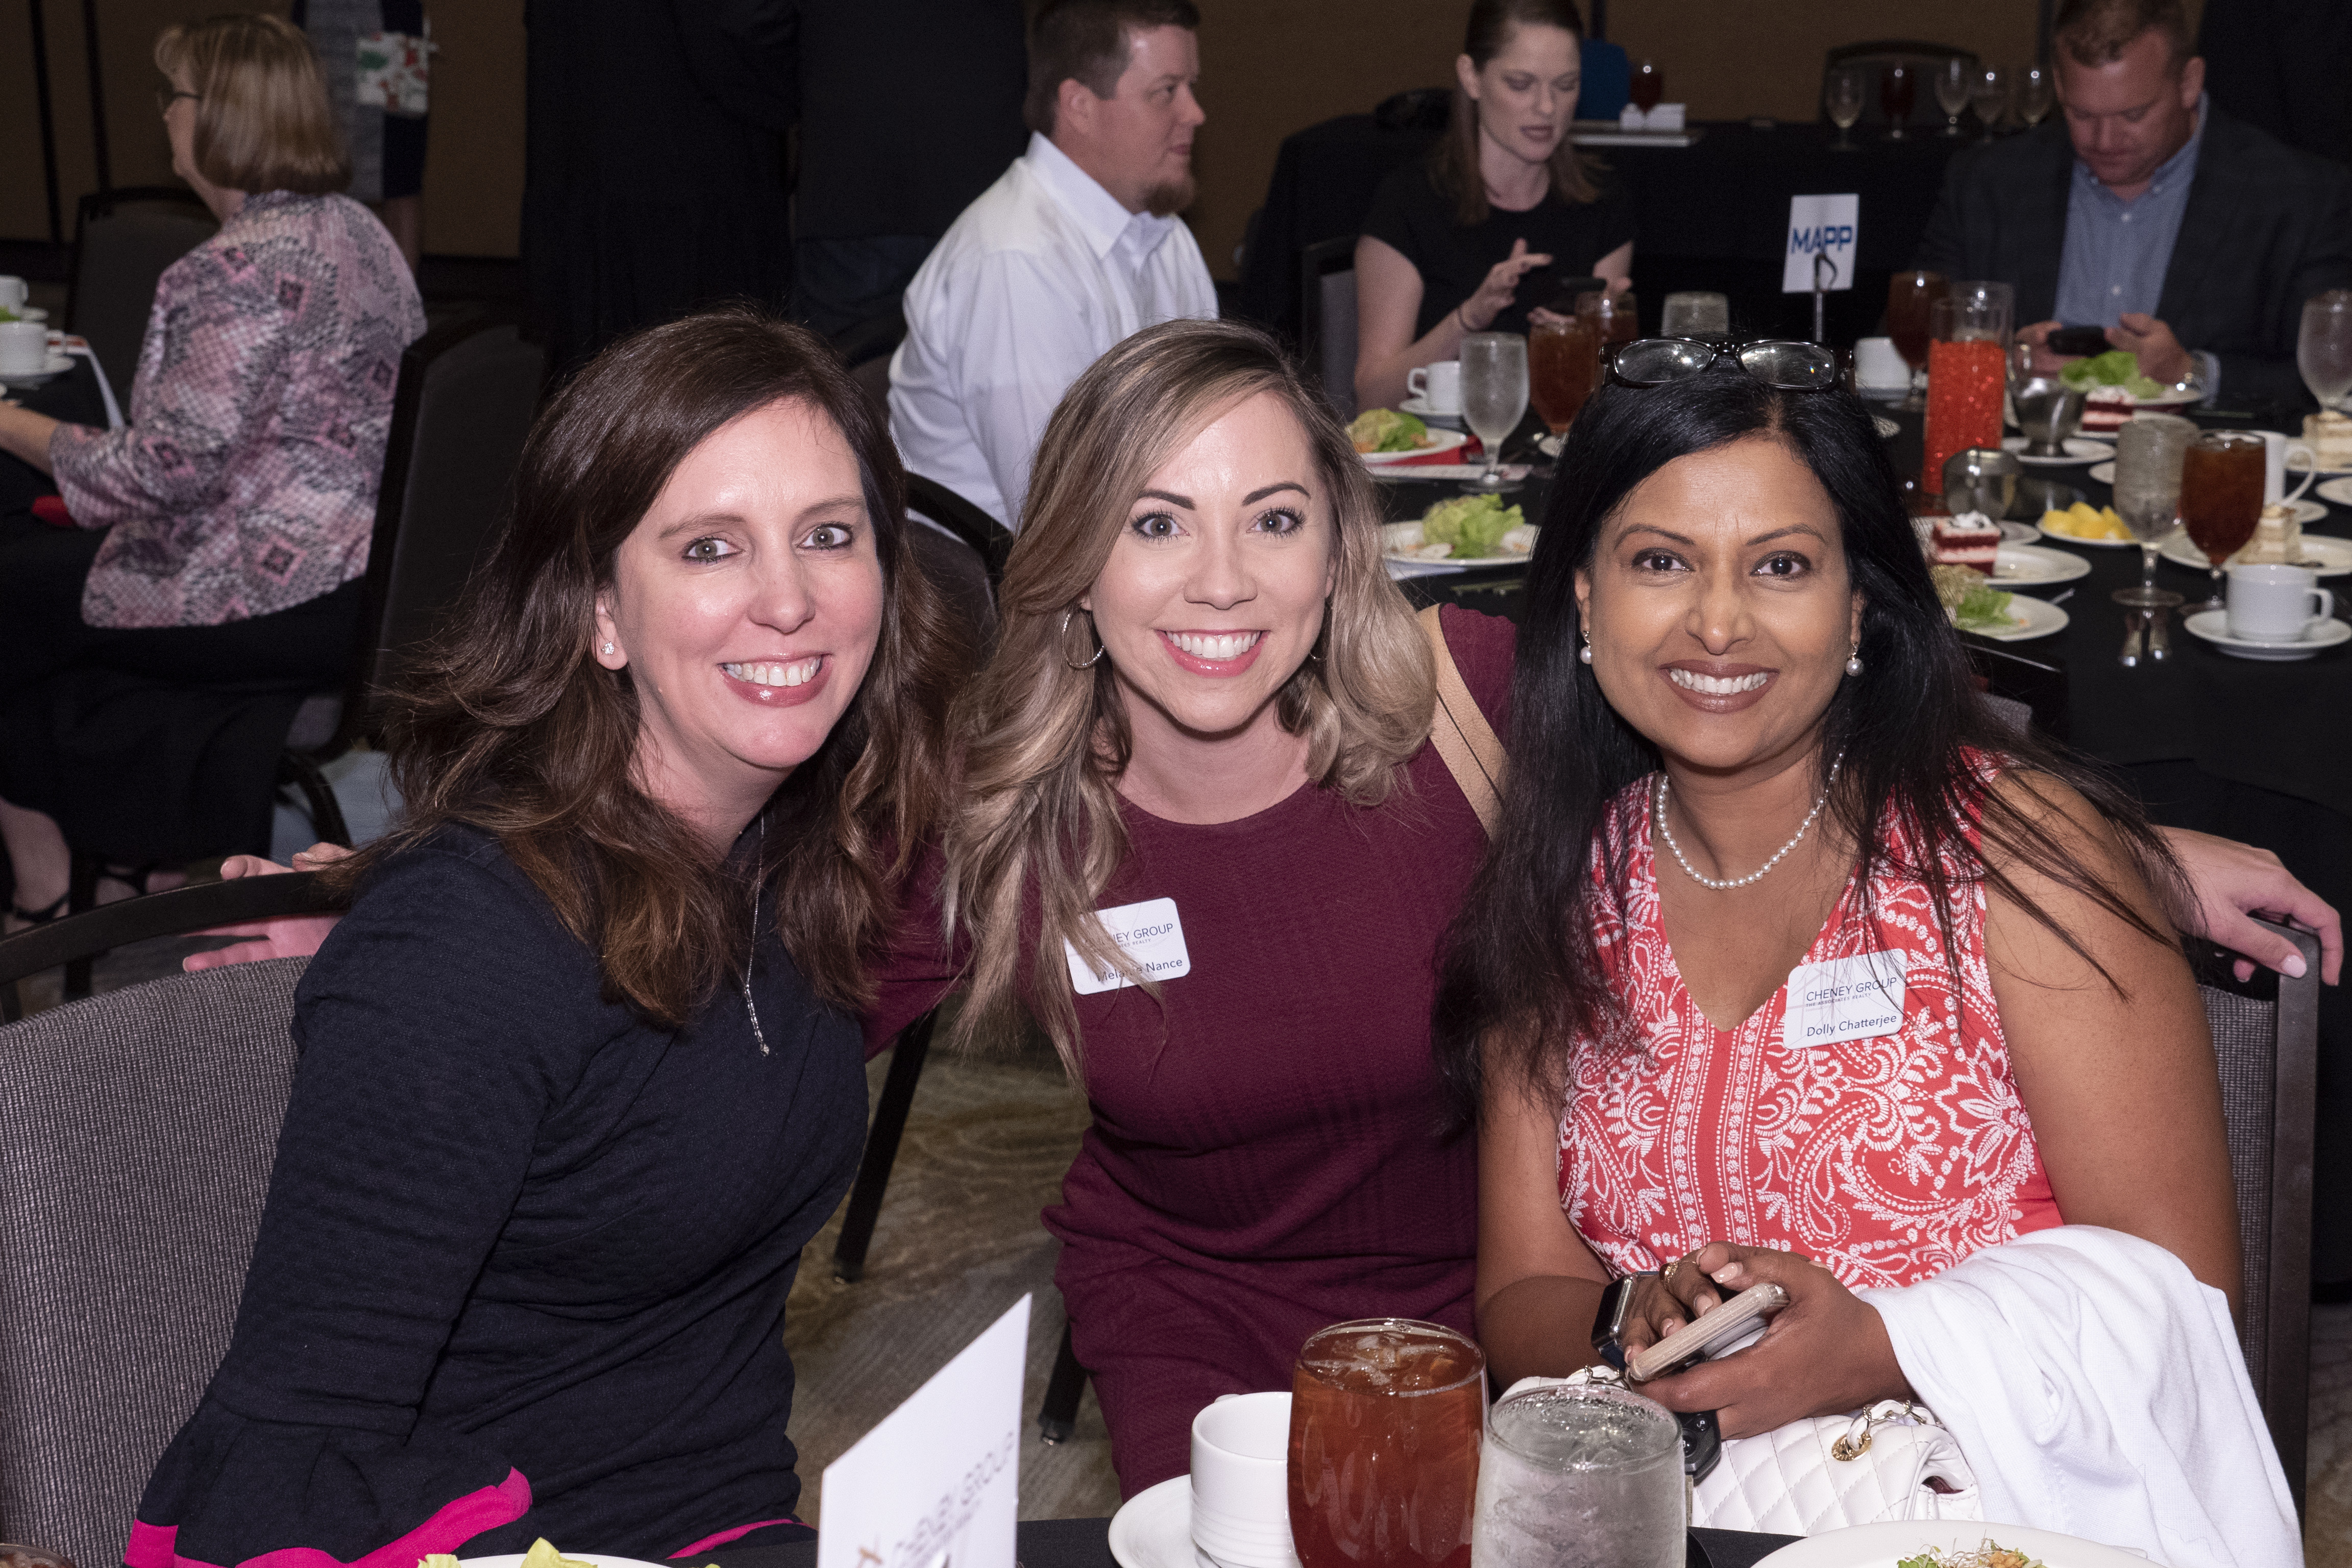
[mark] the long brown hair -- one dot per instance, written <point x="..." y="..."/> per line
<point x="1454" y="163"/>
<point x="1044" y="731"/>
<point x="509" y="725"/>
<point x="262" y="119"/>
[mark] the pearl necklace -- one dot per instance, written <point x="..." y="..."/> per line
<point x="1758" y="874"/>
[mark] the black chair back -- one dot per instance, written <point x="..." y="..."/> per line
<point x="963" y="556"/>
<point x="2266" y="1042"/>
<point x="1326" y="293"/>
<point x="1873" y="58"/>
<point x="123" y="240"/>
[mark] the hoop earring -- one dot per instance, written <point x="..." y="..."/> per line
<point x="1066" y="642"/>
<point x="1853" y="661"/>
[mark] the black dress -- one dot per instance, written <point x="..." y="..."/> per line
<point x="1408" y="213"/>
<point x="523" y="1263"/>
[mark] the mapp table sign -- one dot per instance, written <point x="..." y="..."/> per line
<point x="1819" y="225"/>
<point x="937" y="1484"/>
<point x="1856" y="998"/>
<point x="1150" y="933"/>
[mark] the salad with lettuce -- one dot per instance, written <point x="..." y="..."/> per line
<point x="1971" y="600"/>
<point x="1473" y="525"/>
<point x="2117" y="367"/>
<point x="1386" y="430"/>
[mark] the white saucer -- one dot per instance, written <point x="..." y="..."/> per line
<point x="2337" y="490"/>
<point x="2327" y="557"/>
<point x="1420" y="409"/>
<point x="2300" y="468"/>
<point x="2036" y="566"/>
<point x="1879" y="1545"/>
<point x="2031" y="618"/>
<point x="1153" y="1529"/>
<point x="2079" y="449"/>
<point x="1440" y="440"/>
<point x="2019" y="533"/>
<point x="2214" y="625"/>
<point x="57" y="367"/>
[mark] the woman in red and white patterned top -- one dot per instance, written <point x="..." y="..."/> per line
<point x="1789" y="964"/>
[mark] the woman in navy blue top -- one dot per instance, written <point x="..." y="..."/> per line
<point x="580" y="1073"/>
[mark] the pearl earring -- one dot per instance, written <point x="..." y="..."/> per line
<point x="1853" y="661"/>
<point x="1584" y="654"/>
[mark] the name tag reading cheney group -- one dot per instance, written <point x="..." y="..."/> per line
<point x="1845" y="999"/>
<point x="1148" y="933"/>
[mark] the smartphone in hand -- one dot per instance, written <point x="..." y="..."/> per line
<point x="2078" y="342"/>
<point x="1731" y="1326"/>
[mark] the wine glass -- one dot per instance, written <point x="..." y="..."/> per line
<point x="2036" y="94"/>
<point x="1989" y="96"/>
<point x="1952" y="86"/>
<point x="1898" y="89"/>
<point x="1910" y="295"/>
<point x="1494" y="398"/>
<point x="2148" y="453"/>
<point x="2323" y="349"/>
<point x="1647" y="86"/>
<point x="1842" y="95"/>
<point x="2221" y="497"/>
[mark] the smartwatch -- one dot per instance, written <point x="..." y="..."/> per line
<point x="1609" y="1322"/>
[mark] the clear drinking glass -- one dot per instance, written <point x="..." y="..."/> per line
<point x="2149" y="450"/>
<point x="1580" y="1478"/>
<point x="1494" y="398"/>
<point x="1696" y="314"/>
<point x="1842" y="96"/>
<point x="1952" y="86"/>
<point x="1909" y="297"/>
<point x="1989" y="96"/>
<point x="1385" y="1417"/>
<point x="1898" y="89"/>
<point x="2323" y="349"/>
<point x="2036" y="93"/>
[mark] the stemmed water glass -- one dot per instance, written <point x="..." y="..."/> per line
<point x="2036" y="94"/>
<point x="1842" y="96"/>
<point x="2323" y="349"/>
<point x="1989" y="96"/>
<point x="1494" y="399"/>
<point x="2148" y="453"/>
<point x="1952" y="86"/>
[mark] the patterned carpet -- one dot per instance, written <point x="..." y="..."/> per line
<point x="2327" y="1522"/>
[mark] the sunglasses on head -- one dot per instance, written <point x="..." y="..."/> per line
<point x="1777" y="363"/>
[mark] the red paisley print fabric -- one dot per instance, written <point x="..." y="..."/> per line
<point x="1886" y="1160"/>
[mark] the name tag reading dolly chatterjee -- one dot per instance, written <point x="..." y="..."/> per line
<point x="1854" y="998"/>
<point x="1151" y="936"/>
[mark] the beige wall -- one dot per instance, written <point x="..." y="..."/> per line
<point x="473" y="178"/>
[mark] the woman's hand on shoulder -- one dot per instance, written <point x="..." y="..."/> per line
<point x="288" y="936"/>
<point x="1826" y="1351"/>
<point x="2228" y="882"/>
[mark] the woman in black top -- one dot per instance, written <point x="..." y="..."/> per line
<point x="581" y="1073"/>
<point x="1449" y="243"/>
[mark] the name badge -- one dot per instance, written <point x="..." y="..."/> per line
<point x="1148" y="933"/>
<point x="1845" y="999"/>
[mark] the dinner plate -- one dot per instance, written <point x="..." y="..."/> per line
<point x="1153" y="1529"/>
<point x="2088" y="543"/>
<point x="2036" y="566"/>
<point x="2327" y="557"/>
<point x="2214" y="625"/>
<point x="1400" y="540"/>
<point x="2079" y="449"/>
<point x="2300" y="468"/>
<point x="1884" y="1545"/>
<point x="2305" y="511"/>
<point x="1420" y="409"/>
<point x="2030" y="618"/>
<point x="1439" y="441"/>
<point x="2106" y="419"/>
<point x="57" y="365"/>
<point x="2337" y="490"/>
<point x="601" y="1559"/>
<point x="2018" y="533"/>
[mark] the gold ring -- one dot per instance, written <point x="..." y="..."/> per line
<point x="1668" y="1272"/>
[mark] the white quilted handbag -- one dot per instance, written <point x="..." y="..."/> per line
<point x="1892" y="1461"/>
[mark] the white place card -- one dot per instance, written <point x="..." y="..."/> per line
<point x="937" y="1483"/>
<point x="1821" y="226"/>
<point x="1151" y="933"/>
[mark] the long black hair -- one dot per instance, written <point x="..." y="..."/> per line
<point x="1522" y="959"/>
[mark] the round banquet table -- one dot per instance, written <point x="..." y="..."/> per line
<point x="2257" y="752"/>
<point x="1086" y="1544"/>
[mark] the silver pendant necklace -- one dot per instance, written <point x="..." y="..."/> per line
<point x="751" y="1008"/>
<point x="1758" y="874"/>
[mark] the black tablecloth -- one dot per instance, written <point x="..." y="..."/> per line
<point x="72" y="397"/>
<point x="1711" y="215"/>
<point x="1086" y="1544"/>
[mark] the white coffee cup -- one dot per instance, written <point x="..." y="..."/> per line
<point x="2276" y="449"/>
<point x="1878" y="368"/>
<point x="1241" y="1481"/>
<point x="1439" y="385"/>
<point x="12" y="293"/>
<point x="2274" y="604"/>
<point x="24" y="348"/>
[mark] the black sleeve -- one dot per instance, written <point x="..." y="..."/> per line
<point x="745" y="54"/>
<point x="2326" y="263"/>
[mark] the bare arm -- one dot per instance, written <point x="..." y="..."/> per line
<point x="2117" y="1079"/>
<point x="1388" y="302"/>
<point x="24" y="434"/>
<point x="2229" y="880"/>
<point x="1538" y="1284"/>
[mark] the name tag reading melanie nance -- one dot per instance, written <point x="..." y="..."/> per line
<point x="1845" y="999"/>
<point x="1148" y="933"/>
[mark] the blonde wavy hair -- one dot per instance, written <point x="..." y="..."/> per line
<point x="1045" y="739"/>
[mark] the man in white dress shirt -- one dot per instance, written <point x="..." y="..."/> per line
<point x="1075" y="248"/>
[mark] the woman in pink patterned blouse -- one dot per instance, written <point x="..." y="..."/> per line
<point x="1789" y="963"/>
<point x="221" y="535"/>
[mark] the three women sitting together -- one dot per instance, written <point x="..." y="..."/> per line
<point x="687" y="798"/>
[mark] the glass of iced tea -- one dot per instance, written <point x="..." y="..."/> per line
<point x="1563" y="367"/>
<point x="2222" y="498"/>
<point x="1614" y="314"/>
<point x="1386" y="1417"/>
<point x="1910" y="296"/>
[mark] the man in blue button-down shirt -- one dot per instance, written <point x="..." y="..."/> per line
<point x="2192" y="237"/>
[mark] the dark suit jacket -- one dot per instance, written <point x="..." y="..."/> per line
<point x="2266" y="227"/>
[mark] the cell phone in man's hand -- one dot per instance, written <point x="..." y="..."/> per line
<point x="2078" y="342"/>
